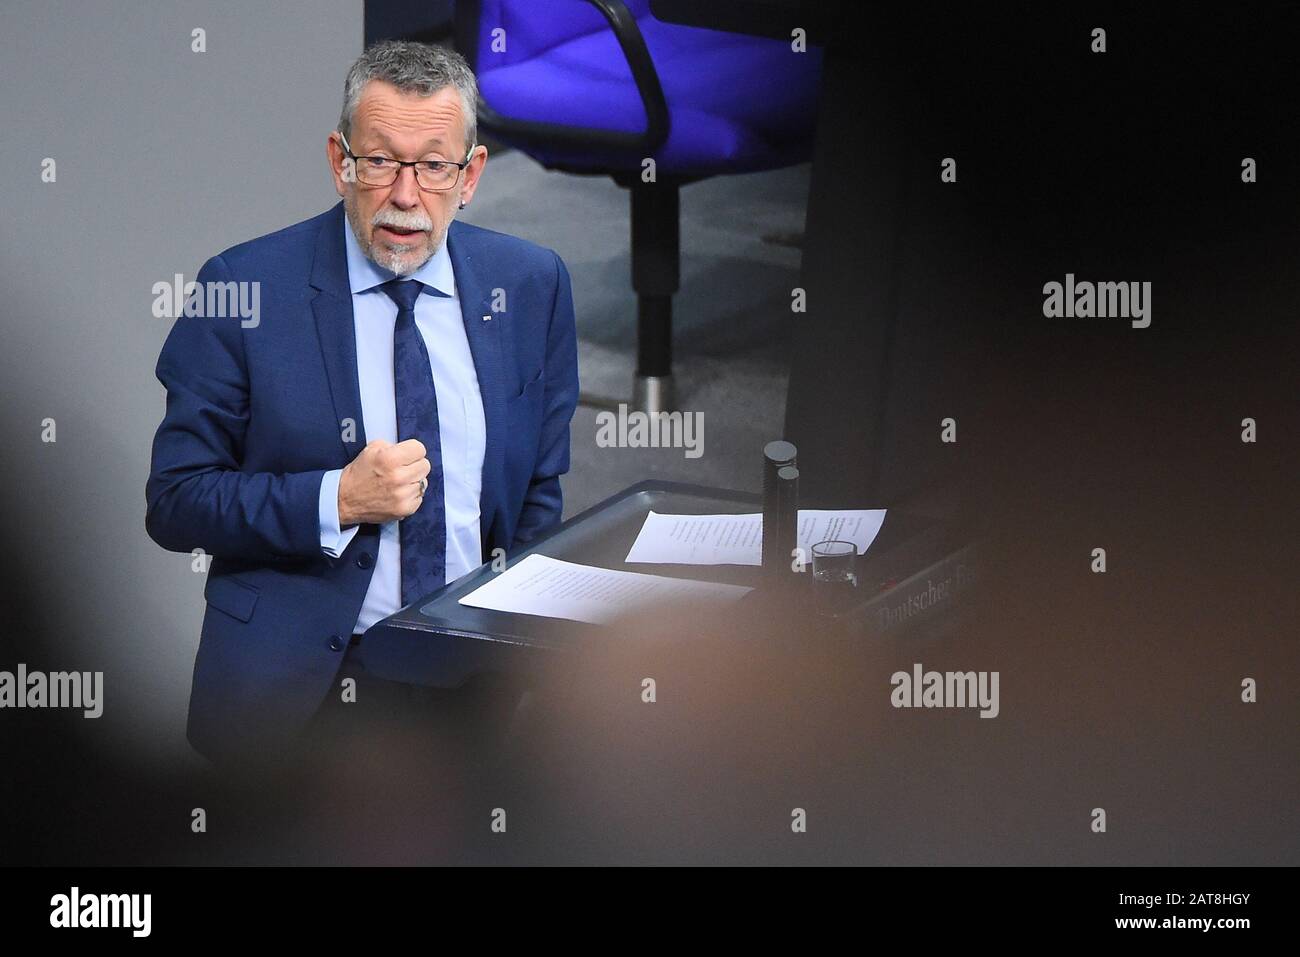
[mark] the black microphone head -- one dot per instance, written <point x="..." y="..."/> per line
<point x="780" y="452"/>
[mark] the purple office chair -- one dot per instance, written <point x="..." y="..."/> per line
<point x="599" y="86"/>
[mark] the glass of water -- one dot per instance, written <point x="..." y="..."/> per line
<point x="834" y="574"/>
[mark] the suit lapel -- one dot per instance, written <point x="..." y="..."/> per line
<point x="474" y="289"/>
<point x="332" y="308"/>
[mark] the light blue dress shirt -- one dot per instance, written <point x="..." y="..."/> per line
<point x="462" y="428"/>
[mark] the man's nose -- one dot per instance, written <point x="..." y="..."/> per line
<point x="406" y="191"/>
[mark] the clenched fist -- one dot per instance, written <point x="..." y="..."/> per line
<point x="382" y="483"/>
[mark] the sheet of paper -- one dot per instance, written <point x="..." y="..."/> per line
<point x="539" y="585"/>
<point x="857" y="525"/>
<point x="738" y="539"/>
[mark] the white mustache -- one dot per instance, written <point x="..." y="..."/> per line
<point x="395" y="217"/>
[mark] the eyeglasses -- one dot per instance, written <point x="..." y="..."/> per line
<point x="430" y="175"/>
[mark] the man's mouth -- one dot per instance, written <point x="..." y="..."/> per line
<point x="401" y="233"/>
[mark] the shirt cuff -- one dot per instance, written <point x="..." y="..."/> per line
<point x="333" y="540"/>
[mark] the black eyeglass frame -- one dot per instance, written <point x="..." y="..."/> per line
<point x="417" y="165"/>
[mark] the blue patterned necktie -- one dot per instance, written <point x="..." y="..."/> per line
<point x="424" y="532"/>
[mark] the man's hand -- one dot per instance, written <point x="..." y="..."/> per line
<point x="382" y="483"/>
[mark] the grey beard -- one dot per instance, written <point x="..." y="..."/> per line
<point x="381" y="255"/>
<point x="395" y="262"/>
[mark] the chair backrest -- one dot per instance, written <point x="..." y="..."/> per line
<point x="532" y="27"/>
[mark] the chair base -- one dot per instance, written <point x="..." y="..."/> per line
<point x="656" y="270"/>
<point x="653" y="394"/>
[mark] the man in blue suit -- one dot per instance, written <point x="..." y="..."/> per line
<point x="397" y="411"/>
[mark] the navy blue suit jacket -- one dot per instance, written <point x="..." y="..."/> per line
<point x="255" y="416"/>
